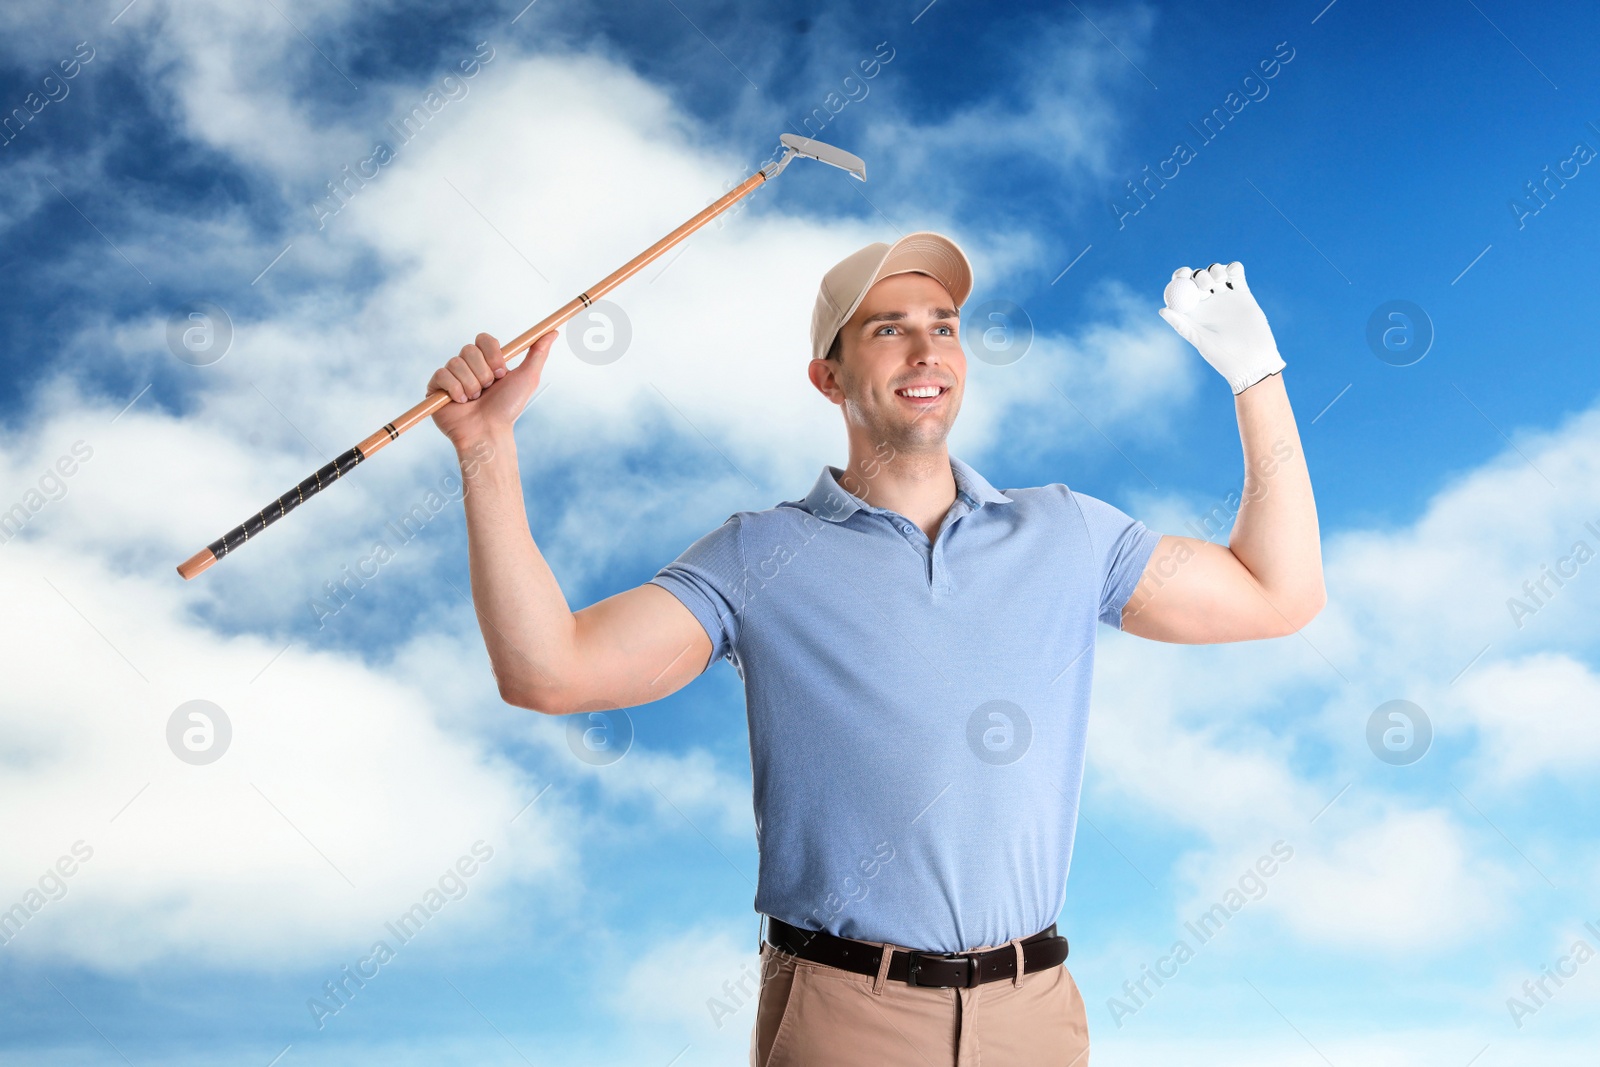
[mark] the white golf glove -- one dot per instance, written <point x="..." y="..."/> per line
<point x="1214" y="310"/>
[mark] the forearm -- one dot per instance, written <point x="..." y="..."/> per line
<point x="527" y="625"/>
<point x="1275" y="535"/>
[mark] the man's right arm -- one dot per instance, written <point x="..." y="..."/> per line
<point x="631" y="648"/>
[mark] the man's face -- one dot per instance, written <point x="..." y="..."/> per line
<point x="904" y="335"/>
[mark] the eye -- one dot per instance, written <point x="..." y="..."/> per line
<point x="885" y="327"/>
<point x="946" y="329"/>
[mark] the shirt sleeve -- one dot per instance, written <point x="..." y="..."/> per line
<point x="1122" y="545"/>
<point x="709" y="578"/>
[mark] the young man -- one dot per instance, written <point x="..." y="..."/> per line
<point x="916" y="648"/>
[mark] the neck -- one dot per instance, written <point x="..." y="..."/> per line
<point x="919" y="485"/>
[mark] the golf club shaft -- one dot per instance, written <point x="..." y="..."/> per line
<point x="391" y="431"/>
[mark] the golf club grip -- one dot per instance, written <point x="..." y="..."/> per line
<point x="320" y="479"/>
<point x="323" y="476"/>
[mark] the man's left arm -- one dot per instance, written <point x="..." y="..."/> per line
<point x="1267" y="581"/>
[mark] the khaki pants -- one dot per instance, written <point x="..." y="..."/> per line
<point x="813" y="1015"/>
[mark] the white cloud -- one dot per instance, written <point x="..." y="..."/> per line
<point x="1534" y="715"/>
<point x="676" y="787"/>
<point x="1059" y="119"/>
<point x="337" y="803"/>
<point x="702" y="981"/>
<point x="223" y="65"/>
<point x="1396" y="881"/>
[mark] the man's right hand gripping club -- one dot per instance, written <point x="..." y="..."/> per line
<point x="478" y="412"/>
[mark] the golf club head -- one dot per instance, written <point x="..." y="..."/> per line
<point x="825" y="153"/>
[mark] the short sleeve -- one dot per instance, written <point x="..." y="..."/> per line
<point x="709" y="578"/>
<point x="1122" y="546"/>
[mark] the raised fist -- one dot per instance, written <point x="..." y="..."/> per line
<point x="1214" y="310"/>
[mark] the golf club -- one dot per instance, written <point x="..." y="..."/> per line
<point x="793" y="146"/>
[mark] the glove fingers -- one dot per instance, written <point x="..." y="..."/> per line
<point x="1236" y="276"/>
<point x="1205" y="282"/>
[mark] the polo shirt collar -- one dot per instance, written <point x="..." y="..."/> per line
<point x="829" y="500"/>
<point x="975" y="485"/>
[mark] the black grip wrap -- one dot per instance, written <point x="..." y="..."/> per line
<point x="286" y="503"/>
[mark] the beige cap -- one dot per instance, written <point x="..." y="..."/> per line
<point x="844" y="287"/>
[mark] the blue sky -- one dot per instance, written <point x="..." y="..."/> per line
<point x="370" y="753"/>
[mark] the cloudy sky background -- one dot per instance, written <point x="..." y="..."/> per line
<point x="370" y="751"/>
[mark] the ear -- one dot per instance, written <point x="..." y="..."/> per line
<point x="824" y="374"/>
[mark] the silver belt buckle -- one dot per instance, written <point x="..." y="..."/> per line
<point x="915" y="958"/>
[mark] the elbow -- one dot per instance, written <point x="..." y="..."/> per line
<point x="1298" y="612"/>
<point x="1315" y="601"/>
<point x="520" y="696"/>
<point x="524" y="684"/>
<point x="535" y="704"/>
<point x="514" y="696"/>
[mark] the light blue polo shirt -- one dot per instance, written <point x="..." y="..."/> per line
<point x="917" y="711"/>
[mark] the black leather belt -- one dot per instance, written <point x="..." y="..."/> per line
<point x="1043" y="950"/>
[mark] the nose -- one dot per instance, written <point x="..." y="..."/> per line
<point x="923" y="352"/>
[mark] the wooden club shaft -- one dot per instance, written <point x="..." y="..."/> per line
<point x="391" y="431"/>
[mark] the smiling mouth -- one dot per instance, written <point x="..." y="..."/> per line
<point x="924" y="395"/>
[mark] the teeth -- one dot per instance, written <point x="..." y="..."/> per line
<point x="923" y="391"/>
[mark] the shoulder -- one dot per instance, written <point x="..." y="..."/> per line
<point x="749" y="530"/>
<point x="742" y="526"/>
<point x="779" y="522"/>
<point x="1081" y="513"/>
<point x="1052" y="500"/>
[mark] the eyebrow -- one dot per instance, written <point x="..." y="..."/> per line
<point x="896" y="316"/>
